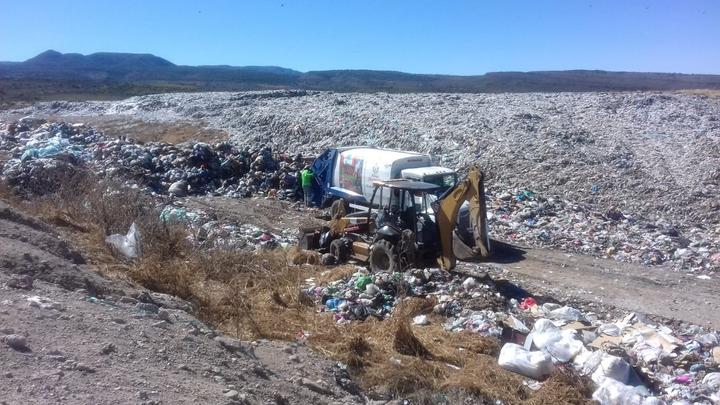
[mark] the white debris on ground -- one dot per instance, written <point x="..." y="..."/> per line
<point x="632" y="360"/>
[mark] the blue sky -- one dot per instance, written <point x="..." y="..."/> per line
<point x="453" y="37"/>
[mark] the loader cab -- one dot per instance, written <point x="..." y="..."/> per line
<point x="400" y="205"/>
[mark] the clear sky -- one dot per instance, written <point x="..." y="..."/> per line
<point x="442" y="36"/>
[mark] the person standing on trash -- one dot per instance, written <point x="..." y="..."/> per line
<point x="306" y="178"/>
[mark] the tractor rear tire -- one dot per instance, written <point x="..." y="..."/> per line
<point x="382" y="257"/>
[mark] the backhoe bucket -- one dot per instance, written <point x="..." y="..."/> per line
<point x="470" y="240"/>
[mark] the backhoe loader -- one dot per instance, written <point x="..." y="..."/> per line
<point x="406" y="225"/>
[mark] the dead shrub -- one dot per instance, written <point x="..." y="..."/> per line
<point x="169" y="278"/>
<point x="410" y="375"/>
<point x="406" y="343"/>
<point x="163" y="241"/>
<point x="300" y="257"/>
<point x="357" y="351"/>
<point x="564" y="387"/>
<point x="481" y="376"/>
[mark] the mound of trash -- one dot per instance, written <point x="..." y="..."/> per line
<point x="631" y="360"/>
<point x="44" y="154"/>
<point x="652" y="154"/>
<point x="651" y="157"/>
<point x="525" y="217"/>
<point x="159" y="168"/>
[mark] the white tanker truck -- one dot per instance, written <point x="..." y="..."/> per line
<point x="349" y="173"/>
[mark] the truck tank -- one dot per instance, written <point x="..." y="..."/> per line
<point x="349" y="172"/>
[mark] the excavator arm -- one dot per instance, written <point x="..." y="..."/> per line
<point x="471" y="189"/>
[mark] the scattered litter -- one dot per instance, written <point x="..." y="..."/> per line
<point x="128" y="245"/>
<point x="536" y="365"/>
<point x="620" y="356"/>
<point x="43" y="302"/>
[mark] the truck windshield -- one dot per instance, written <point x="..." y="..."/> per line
<point x="442" y="180"/>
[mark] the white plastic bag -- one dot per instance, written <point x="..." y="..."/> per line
<point x="602" y="366"/>
<point x="543" y="332"/>
<point x="515" y="358"/>
<point x="611" y="392"/>
<point x="565" y="348"/>
<point x="128" y="245"/>
<point x="421" y="320"/>
<point x="566" y="314"/>
<point x="712" y="380"/>
<point x="561" y="345"/>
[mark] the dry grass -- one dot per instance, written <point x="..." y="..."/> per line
<point x="564" y="387"/>
<point x="255" y="296"/>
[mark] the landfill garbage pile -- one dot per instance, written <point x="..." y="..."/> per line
<point x="653" y="157"/>
<point x="652" y="154"/>
<point x="525" y="217"/>
<point x="632" y="360"/>
<point x="160" y="168"/>
<point x="364" y="294"/>
<point x="208" y="232"/>
<point x="43" y="153"/>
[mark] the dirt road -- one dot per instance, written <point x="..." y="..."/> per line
<point x="649" y="290"/>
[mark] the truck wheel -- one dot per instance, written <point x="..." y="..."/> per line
<point x="339" y="249"/>
<point x="382" y="257"/>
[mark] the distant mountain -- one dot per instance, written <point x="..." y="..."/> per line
<point x="52" y="74"/>
<point x="101" y="60"/>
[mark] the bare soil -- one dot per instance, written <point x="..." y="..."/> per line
<point x="89" y="339"/>
<point x="175" y="132"/>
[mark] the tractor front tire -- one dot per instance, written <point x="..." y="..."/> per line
<point x="382" y="257"/>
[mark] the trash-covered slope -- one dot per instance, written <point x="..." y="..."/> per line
<point x="630" y="359"/>
<point x="648" y="153"/>
<point x="632" y="176"/>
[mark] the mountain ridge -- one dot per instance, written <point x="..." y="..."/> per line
<point x="113" y="75"/>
